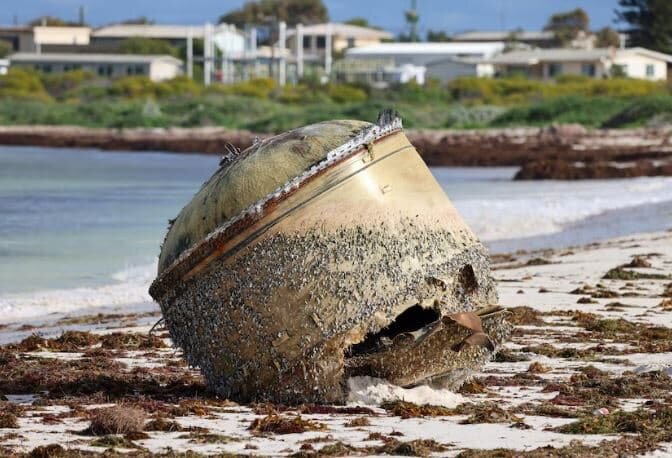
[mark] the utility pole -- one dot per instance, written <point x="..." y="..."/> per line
<point x="282" y="61"/>
<point x="190" y="52"/>
<point x="253" y="48"/>
<point x="327" y="51"/>
<point x="299" y="50"/>
<point x="82" y="21"/>
<point x="207" y="54"/>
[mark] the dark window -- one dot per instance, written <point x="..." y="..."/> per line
<point x="105" y="70"/>
<point x="321" y="42"/>
<point x="306" y="42"/>
<point x="45" y="68"/>
<point x="588" y="69"/>
<point x="554" y="69"/>
<point x="650" y="70"/>
<point x="351" y="42"/>
<point x="135" y="69"/>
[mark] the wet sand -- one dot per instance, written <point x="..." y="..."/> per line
<point x="588" y="372"/>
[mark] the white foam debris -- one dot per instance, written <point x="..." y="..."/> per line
<point x="654" y="367"/>
<point x="374" y="391"/>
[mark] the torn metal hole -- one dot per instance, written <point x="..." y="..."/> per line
<point x="412" y="319"/>
<point x="467" y="279"/>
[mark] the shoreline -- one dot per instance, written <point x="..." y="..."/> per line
<point x="579" y="333"/>
<point x="548" y="152"/>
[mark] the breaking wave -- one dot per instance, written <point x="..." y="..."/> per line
<point x="128" y="287"/>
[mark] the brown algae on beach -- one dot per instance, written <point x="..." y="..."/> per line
<point x="345" y="260"/>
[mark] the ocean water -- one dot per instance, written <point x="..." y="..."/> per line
<point x="82" y="228"/>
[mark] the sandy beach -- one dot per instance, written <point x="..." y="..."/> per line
<point x="587" y="372"/>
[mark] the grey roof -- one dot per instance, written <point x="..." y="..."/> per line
<point x="533" y="56"/>
<point x="442" y="48"/>
<point x="646" y="52"/>
<point x="343" y="30"/>
<point x="148" y="31"/>
<point x="91" y="58"/>
<point x="504" y="35"/>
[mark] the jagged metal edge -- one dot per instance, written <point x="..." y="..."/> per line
<point x="388" y="121"/>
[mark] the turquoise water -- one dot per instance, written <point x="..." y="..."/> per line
<point x="75" y="217"/>
<point x="89" y="223"/>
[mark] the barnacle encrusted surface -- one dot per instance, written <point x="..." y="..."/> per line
<point x="335" y="287"/>
<point x="355" y="264"/>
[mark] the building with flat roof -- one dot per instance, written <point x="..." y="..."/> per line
<point x="547" y="64"/>
<point x="342" y="36"/>
<point x="19" y="38"/>
<point x="536" y="38"/>
<point x="443" y="61"/>
<point x="155" y="67"/>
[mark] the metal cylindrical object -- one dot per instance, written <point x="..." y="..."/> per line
<point x="326" y="252"/>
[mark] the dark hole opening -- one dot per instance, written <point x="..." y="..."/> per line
<point x="411" y="319"/>
<point x="467" y="279"/>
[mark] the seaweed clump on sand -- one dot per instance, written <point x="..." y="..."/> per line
<point x="278" y="424"/>
<point x="116" y="420"/>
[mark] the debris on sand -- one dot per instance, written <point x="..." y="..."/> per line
<point x="116" y="420"/>
<point x="321" y="254"/>
<point x="278" y="424"/>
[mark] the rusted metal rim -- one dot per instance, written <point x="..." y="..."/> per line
<point x="214" y="244"/>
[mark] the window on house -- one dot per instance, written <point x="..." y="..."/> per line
<point x="44" y="68"/>
<point x="105" y="70"/>
<point x="321" y="42"/>
<point x="351" y="42"/>
<point x="650" y="70"/>
<point x="619" y="70"/>
<point x="588" y="69"/>
<point x="554" y="69"/>
<point x="306" y="42"/>
<point x="135" y="70"/>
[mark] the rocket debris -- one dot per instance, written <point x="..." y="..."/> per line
<point x="322" y="253"/>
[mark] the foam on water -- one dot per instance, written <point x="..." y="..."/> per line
<point x="128" y="287"/>
<point x="520" y="210"/>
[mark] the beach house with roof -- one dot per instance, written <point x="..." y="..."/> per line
<point x="441" y="61"/>
<point x="155" y="67"/>
<point x="534" y="38"/>
<point x="547" y="64"/>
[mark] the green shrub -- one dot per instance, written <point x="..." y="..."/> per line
<point x="591" y="112"/>
<point x="179" y="86"/>
<point x="459" y="116"/>
<point x="260" y="88"/>
<point x="641" y="111"/>
<point x="142" y="45"/>
<point x="5" y="49"/>
<point x="21" y="83"/>
<point x="345" y="93"/>
<point x="134" y="87"/>
<point x="60" y="84"/>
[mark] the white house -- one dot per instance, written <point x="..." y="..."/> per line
<point x="155" y="67"/>
<point x="547" y="64"/>
<point x="314" y="38"/>
<point x="443" y="61"/>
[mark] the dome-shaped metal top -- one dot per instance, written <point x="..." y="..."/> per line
<point x="251" y="175"/>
